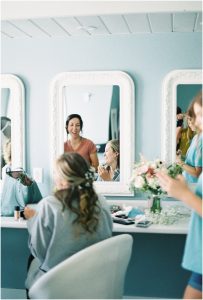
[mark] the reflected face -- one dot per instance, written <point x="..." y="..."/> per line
<point x="109" y="155"/>
<point x="198" y="114"/>
<point x="74" y="127"/>
<point x="191" y="123"/>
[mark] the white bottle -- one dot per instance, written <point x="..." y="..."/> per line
<point x="17" y="213"/>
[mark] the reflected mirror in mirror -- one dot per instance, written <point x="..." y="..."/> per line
<point x="184" y="134"/>
<point x="99" y="108"/>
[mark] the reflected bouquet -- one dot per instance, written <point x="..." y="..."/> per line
<point x="144" y="175"/>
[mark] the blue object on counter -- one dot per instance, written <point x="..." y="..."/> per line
<point x="134" y="212"/>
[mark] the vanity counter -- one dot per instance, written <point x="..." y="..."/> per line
<point x="155" y="249"/>
<point x="178" y="227"/>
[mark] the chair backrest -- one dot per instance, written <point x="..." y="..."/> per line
<point x="96" y="272"/>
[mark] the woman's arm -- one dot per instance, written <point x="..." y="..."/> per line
<point x="194" y="171"/>
<point x="178" y="189"/>
<point x="94" y="160"/>
<point x="39" y="230"/>
<point x="178" y="134"/>
<point x="104" y="173"/>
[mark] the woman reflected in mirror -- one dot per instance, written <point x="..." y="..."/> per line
<point x="192" y="164"/>
<point x="179" y="125"/>
<point x="187" y="133"/>
<point x="7" y="159"/>
<point x="76" y="143"/>
<point x="110" y="170"/>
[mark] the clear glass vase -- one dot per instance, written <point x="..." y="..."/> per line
<point x="156" y="204"/>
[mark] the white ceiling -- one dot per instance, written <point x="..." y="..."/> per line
<point x="88" y="18"/>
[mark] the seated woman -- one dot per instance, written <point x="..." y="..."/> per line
<point x="77" y="143"/>
<point x="68" y="221"/>
<point x="110" y="171"/>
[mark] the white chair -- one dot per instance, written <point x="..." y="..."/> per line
<point x="96" y="272"/>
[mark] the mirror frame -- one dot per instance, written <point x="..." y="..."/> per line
<point x="127" y="149"/>
<point x="17" y="96"/>
<point x="169" y="104"/>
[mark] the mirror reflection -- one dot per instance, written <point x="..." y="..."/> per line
<point x="92" y="129"/>
<point x="12" y="122"/>
<point x="185" y="130"/>
<point x="106" y="118"/>
<point x="177" y="91"/>
<point x="5" y="128"/>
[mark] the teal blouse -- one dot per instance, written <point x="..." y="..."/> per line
<point x="194" y="157"/>
<point x="192" y="259"/>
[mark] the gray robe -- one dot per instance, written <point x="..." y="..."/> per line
<point x="53" y="237"/>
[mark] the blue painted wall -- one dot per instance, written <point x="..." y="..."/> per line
<point x="146" y="57"/>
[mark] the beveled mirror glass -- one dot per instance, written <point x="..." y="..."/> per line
<point x="13" y="107"/>
<point x="91" y="87"/>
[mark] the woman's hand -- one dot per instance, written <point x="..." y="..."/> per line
<point x="174" y="187"/>
<point x="179" y="160"/>
<point x="29" y="212"/>
<point x="178" y="189"/>
<point x="104" y="173"/>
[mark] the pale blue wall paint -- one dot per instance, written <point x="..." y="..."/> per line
<point x="146" y="57"/>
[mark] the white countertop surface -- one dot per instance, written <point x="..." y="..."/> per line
<point x="179" y="227"/>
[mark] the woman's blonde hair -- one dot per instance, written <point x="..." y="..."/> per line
<point x="197" y="99"/>
<point x="115" y="146"/>
<point x="7" y="152"/>
<point x="80" y="196"/>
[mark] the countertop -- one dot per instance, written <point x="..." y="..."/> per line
<point x="179" y="227"/>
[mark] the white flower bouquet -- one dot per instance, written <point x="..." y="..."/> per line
<point x="144" y="175"/>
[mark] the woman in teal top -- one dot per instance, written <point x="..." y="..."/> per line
<point x="192" y="166"/>
<point x="177" y="188"/>
<point x="194" y="159"/>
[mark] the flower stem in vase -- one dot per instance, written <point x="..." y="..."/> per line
<point x="156" y="204"/>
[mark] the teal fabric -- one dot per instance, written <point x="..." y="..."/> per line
<point x="14" y="193"/>
<point x="194" y="157"/>
<point x="192" y="259"/>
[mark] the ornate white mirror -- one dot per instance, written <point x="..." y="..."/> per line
<point x="105" y="101"/>
<point x="174" y="83"/>
<point x="12" y="117"/>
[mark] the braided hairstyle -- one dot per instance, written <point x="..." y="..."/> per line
<point x="80" y="196"/>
